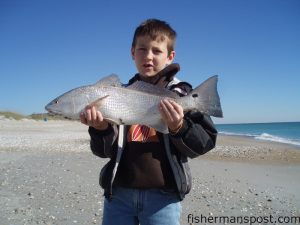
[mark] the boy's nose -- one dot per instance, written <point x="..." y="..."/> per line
<point x="149" y="55"/>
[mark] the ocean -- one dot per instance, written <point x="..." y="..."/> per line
<point x="283" y="132"/>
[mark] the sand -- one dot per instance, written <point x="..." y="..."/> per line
<point x="49" y="176"/>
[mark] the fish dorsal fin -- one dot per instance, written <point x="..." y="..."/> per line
<point x="151" y="89"/>
<point x="111" y="80"/>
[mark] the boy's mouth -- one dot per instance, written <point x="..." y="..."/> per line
<point x="148" y="65"/>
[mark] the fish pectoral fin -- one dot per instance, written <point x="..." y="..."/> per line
<point x="161" y="127"/>
<point x="97" y="103"/>
<point x="158" y="126"/>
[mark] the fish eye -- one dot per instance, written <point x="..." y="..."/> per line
<point x="56" y="101"/>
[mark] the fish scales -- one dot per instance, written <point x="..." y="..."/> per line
<point x="133" y="105"/>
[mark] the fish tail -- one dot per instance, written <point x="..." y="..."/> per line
<point x="205" y="98"/>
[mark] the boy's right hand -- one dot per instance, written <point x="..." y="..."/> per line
<point x="93" y="118"/>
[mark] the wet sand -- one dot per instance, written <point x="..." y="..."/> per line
<point x="49" y="176"/>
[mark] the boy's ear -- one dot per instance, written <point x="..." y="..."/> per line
<point x="132" y="52"/>
<point x="171" y="56"/>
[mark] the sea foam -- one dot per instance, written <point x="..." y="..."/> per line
<point x="269" y="137"/>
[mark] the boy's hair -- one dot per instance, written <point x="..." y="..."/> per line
<point x="155" y="28"/>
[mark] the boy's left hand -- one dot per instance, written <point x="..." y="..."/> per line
<point x="172" y="114"/>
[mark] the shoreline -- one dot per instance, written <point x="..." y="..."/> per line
<point x="243" y="148"/>
<point x="261" y="141"/>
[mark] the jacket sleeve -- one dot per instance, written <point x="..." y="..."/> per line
<point x="103" y="143"/>
<point x="197" y="136"/>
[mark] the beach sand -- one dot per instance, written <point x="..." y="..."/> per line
<point x="49" y="176"/>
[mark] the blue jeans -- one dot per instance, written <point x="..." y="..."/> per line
<point x="145" y="207"/>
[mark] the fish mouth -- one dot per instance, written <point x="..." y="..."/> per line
<point x="51" y="111"/>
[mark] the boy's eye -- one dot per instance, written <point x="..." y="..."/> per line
<point x="157" y="51"/>
<point x="142" y="49"/>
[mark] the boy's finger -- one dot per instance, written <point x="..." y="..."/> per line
<point x="99" y="116"/>
<point x="175" y="104"/>
<point x="82" y="118"/>
<point x="93" y="114"/>
<point x="162" y="113"/>
<point x="176" y="112"/>
<point x="168" y="105"/>
<point x="88" y="115"/>
<point x="166" y="111"/>
<point x="171" y="109"/>
<point x="178" y="108"/>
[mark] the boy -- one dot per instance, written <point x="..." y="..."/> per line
<point x="153" y="175"/>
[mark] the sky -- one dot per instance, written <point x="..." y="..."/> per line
<point x="48" y="47"/>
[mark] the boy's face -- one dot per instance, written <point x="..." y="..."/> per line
<point x="151" y="56"/>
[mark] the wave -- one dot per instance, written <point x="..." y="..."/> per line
<point x="237" y="134"/>
<point x="265" y="137"/>
<point x="269" y="137"/>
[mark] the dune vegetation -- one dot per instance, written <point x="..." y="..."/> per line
<point x="34" y="116"/>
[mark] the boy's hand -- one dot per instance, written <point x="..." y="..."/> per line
<point x="172" y="114"/>
<point x="93" y="118"/>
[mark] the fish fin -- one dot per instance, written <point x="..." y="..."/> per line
<point x="161" y="127"/>
<point x="206" y="98"/>
<point x="151" y="89"/>
<point x="98" y="102"/>
<point x="111" y="80"/>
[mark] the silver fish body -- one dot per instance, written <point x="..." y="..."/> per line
<point x="134" y="104"/>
